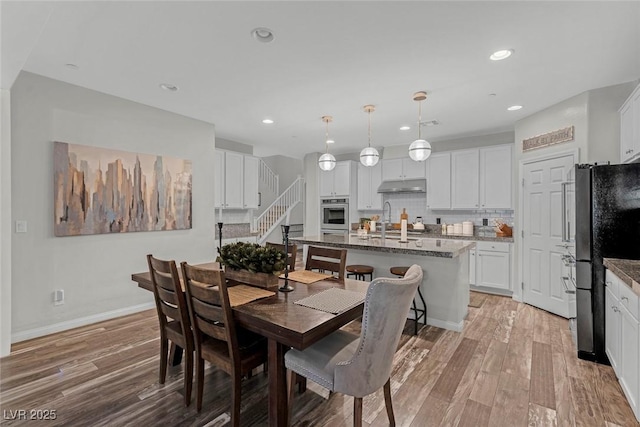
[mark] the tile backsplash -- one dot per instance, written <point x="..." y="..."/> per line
<point x="416" y="205"/>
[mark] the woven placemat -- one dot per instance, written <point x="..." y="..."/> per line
<point x="242" y="294"/>
<point x="333" y="300"/>
<point x="306" y="276"/>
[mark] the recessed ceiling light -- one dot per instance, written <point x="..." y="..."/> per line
<point x="405" y="127"/>
<point x="169" y="87"/>
<point x="501" y="54"/>
<point x="267" y="121"/>
<point x="262" y="34"/>
<point x="492" y="95"/>
<point x="514" y="107"/>
<point x="72" y="66"/>
<point x="330" y="141"/>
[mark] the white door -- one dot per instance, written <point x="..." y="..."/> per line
<point x="233" y="180"/>
<point x="412" y="169"/>
<point x="218" y="185"/>
<point x="376" y="180"/>
<point x="542" y="264"/>
<point x="342" y="179"/>
<point x="391" y="169"/>
<point x="495" y="177"/>
<point x="326" y="183"/>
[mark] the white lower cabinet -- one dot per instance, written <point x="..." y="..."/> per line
<point x="622" y="339"/>
<point x="490" y="265"/>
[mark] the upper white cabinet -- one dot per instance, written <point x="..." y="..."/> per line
<point x="251" y="177"/>
<point x="439" y="181"/>
<point x="465" y="170"/>
<point x="402" y="169"/>
<point x="630" y="128"/>
<point x="369" y="179"/>
<point x="481" y="178"/>
<point x="495" y="177"/>
<point x="337" y="181"/>
<point x="236" y="180"/>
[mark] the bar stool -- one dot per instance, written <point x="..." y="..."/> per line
<point x="359" y="271"/>
<point x="419" y="313"/>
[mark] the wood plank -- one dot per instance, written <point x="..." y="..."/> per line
<point x="542" y="382"/>
<point x="448" y="382"/>
<point x="511" y="404"/>
<point x="475" y="415"/>
<point x="541" y="416"/>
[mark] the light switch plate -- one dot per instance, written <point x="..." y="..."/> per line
<point x="21" y="226"/>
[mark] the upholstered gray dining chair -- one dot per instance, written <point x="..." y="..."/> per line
<point x="359" y="365"/>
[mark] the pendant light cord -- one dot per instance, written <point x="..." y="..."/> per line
<point x="369" y="128"/>
<point x="326" y="138"/>
<point x="419" y="119"/>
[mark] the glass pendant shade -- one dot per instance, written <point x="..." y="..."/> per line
<point x="369" y="156"/>
<point x="327" y="162"/>
<point x="420" y="150"/>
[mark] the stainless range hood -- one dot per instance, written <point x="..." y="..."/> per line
<point x="408" y="186"/>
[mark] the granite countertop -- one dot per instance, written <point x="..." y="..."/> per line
<point x="442" y="248"/>
<point x="627" y="270"/>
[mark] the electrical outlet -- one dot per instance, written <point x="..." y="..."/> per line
<point x="58" y="297"/>
<point x="21" y="226"/>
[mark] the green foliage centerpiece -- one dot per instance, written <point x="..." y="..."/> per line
<point x="252" y="264"/>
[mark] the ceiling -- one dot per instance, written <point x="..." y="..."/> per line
<point x="329" y="58"/>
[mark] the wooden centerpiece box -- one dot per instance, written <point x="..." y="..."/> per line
<point x="252" y="264"/>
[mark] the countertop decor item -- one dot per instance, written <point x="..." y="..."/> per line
<point x="369" y="156"/>
<point x="327" y="162"/>
<point x="252" y="264"/>
<point x="420" y="149"/>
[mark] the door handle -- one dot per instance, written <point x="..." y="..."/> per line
<point x="566" y="287"/>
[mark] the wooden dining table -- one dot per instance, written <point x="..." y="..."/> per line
<point x="285" y="325"/>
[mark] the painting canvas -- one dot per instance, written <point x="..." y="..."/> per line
<point x="99" y="190"/>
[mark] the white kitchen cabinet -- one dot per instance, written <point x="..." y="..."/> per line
<point x="495" y="177"/>
<point x="622" y="340"/>
<point x="612" y="326"/>
<point x="402" y="169"/>
<point x="439" y="181"/>
<point x="472" y="267"/>
<point x="337" y="181"/>
<point x="465" y="171"/>
<point x="251" y="177"/>
<point x="369" y="179"/>
<point x="236" y="180"/>
<point x="630" y="128"/>
<point x="490" y="266"/>
<point x="233" y="180"/>
<point x="218" y="185"/>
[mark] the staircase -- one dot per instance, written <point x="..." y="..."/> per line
<point x="279" y="209"/>
<point x="269" y="177"/>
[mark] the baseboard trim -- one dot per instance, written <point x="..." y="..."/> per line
<point x="444" y="324"/>
<point x="76" y="323"/>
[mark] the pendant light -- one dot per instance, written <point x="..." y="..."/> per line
<point x="369" y="156"/>
<point x="327" y="162"/>
<point x="420" y="149"/>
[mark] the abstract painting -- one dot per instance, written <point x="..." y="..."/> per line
<point x="98" y="190"/>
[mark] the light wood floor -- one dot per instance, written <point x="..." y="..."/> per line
<point x="513" y="365"/>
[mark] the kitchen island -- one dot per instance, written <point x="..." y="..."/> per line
<point x="445" y="264"/>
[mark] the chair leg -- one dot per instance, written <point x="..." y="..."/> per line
<point x="302" y="384"/>
<point x="188" y="376"/>
<point x="388" y="404"/>
<point x="424" y="304"/>
<point x="164" y="354"/>
<point x="415" y="315"/>
<point x="291" y="386"/>
<point x="357" y="412"/>
<point x="236" y="388"/>
<point x="200" y="380"/>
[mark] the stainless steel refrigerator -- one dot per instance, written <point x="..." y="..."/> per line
<point x="607" y="226"/>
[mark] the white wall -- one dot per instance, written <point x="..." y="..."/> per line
<point x="312" y="200"/>
<point x="604" y="122"/>
<point x="5" y="222"/>
<point x="594" y="115"/>
<point x="94" y="270"/>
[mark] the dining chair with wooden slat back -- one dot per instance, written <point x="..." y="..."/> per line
<point x="217" y="338"/>
<point x="173" y="315"/>
<point x="327" y="259"/>
<point x="293" y="252"/>
<point x="359" y="365"/>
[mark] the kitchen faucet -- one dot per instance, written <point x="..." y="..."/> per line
<point x="385" y="219"/>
